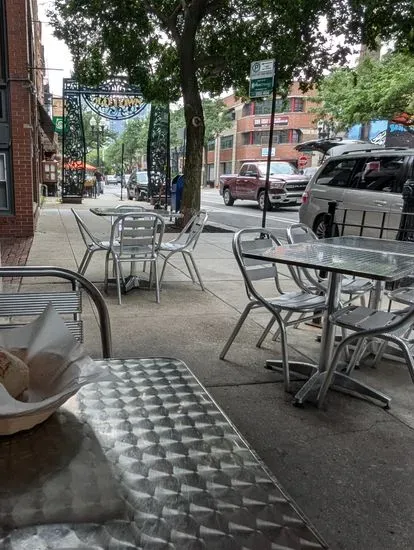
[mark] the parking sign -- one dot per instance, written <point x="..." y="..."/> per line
<point x="261" y="78"/>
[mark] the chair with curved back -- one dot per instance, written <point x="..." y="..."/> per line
<point x="353" y="287"/>
<point x="92" y="243"/>
<point x="135" y="238"/>
<point x="186" y="243"/>
<point x="257" y="273"/>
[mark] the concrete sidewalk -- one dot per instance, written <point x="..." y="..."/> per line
<point x="350" y="468"/>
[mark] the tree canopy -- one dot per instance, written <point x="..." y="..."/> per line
<point x="174" y="48"/>
<point x="375" y="89"/>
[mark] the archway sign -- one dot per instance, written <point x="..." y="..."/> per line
<point x="115" y="99"/>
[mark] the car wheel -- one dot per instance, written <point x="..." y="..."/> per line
<point x="320" y="227"/>
<point x="261" y="201"/>
<point x="228" y="199"/>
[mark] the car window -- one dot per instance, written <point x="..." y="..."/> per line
<point x="278" y="168"/>
<point x="252" y="170"/>
<point x="337" y="173"/>
<point x="380" y="174"/>
<point x="244" y="169"/>
<point x="142" y="177"/>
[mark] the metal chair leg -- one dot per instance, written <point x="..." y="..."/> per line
<point x="236" y="329"/>
<point x="188" y="266"/>
<point x="266" y="331"/>
<point x="196" y="271"/>
<point x="166" y="260"/>
<point x="157" y="284"/>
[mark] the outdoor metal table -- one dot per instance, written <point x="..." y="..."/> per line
<point x="385" y="261"/>
<point x="133" y="281"/>
<point x="146" y="460"/>
<point x="113" y="212"/>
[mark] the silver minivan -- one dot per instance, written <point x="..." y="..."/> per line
<point x="367" y="187"/>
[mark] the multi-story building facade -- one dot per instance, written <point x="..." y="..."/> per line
<point x="248" y="138"/>
<point x="26" y="130"/>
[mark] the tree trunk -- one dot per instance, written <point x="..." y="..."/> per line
<point x="193" y="112"/>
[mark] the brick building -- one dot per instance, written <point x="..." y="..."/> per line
<point x="248" y="138"/>
<point x="26" y="130"/>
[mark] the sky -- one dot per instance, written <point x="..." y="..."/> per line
<point x="57" y="55"/>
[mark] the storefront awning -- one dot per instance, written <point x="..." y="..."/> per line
<point x="46" y="122"/>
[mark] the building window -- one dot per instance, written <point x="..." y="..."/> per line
<point x="2" y="105"/>
<point x="210" y="172"/>
<point x="245" y="138"/>
<point x="247" y="109"/>
<point x="226" y="142"/>
<point x="265" y="107"/>
<point x="211" y="145"/>
<point x="296" y="136"/>
<point x="225" y="167"/>
<point x="281" y="106"/>
<point x="298" y="105"/>
<point x="4" y="184"/>
<point x="2" y="43"/>
<point x="279" y="136"/>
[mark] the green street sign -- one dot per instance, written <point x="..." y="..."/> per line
<point x="261" y="87"/>
<point x="261" y="78"/>
<point x="58" y="124"/>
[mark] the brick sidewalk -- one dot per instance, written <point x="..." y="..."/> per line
<point x="14" y="251"/>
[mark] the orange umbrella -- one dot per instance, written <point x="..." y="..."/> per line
<point x="78" y="165"/>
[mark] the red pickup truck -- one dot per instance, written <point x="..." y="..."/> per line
<point x="286" y="184"/>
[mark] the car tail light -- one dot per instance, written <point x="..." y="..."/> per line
<point x="305" y="197"/>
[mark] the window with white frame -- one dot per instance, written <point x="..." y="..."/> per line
<point x="4" y="194"/>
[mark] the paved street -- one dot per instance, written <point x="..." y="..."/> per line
<point x="242" y="214"/>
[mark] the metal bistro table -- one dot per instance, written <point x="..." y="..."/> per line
<point x="145" y="461"/>
<point x="133" y="281"/>
<point x="377" y="259"/>
<point x="113" y="212"/>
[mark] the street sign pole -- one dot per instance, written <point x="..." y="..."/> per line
<point x="269" y="149"/>
<point x="122" y="167"/>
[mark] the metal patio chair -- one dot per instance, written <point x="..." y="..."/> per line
<point x="16" y="307"/>
<point x="367" y="323"/>
<point x="352" y="287"/>
<point x="123" y="208"/>
<point x="256" y="272"/>
<point x="186" y="243"/>
<point x="92" y="243"/>
<point x="135" y="238"/>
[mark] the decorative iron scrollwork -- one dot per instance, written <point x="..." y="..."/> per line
<point x="73" y="148"/>
<point x="115" y="99"/>
<point x="157" y="148"/>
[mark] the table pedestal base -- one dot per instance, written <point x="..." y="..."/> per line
<point x="131" y="282"/>
<point x="341" y="382"/>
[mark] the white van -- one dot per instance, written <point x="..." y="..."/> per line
<point x="367" y="187"/>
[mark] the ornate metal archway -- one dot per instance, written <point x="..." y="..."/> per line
<point x="115" y="99"/>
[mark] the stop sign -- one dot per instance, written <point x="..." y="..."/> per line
<point x="302" y="161"/>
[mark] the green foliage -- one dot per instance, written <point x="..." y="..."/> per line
<point x="375" y="89"/>
<point x="134" y="138"/>
<point x="216" y="119"/>
<point x="174" y="48"/>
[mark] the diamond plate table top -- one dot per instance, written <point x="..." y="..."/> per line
<point x="340" y="256"/>
<point x="146" y="460"/>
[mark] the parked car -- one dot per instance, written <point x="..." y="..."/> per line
<point x="286" y="184"/>
<point x="111" y="179"/>
<point x="137" y="186"/>
<point x="369" y="180"/>
<point x="309" y="171"/>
